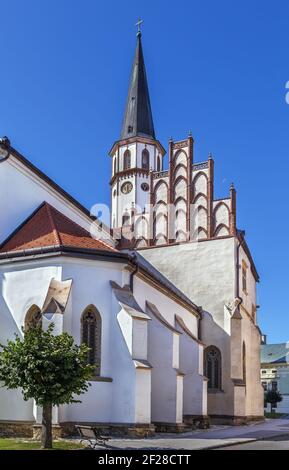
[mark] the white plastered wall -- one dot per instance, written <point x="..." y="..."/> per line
<point x="24" y="192"/>
<point x="167" y="353"/>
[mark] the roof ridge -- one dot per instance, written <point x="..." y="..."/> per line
<point x="56" y="233"/>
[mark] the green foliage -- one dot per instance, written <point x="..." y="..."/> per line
<point x="273" y="396"/>
<point x="274" y="415"/>
<point x="48" y="368"/>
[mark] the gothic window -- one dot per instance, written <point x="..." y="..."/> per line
<point x="125" y="219"/>
<point x="213" y="367"/>
<point x="91" y="336"/>
<point x="145" y="159"/>
<point x="158" y="164"/>
<point x="33" y="318"/>
<point x="126" y="160"/>
<point x="114" y="165"/>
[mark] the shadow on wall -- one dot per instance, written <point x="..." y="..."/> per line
<point x="217" y="366"/>
<point x="8" y="324"/>
<point x="12" y="405"/>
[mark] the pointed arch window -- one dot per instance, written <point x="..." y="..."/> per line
<point x="159" y="164"/>
<point x="91" y="336"/>
<point x="114" y="166"/>
<point x="125" y="219"/>
<point x="33" y="318"/>
<point x="145" y="159"/>
<point x="213" y="367"/>
<point x="126" y="160"/>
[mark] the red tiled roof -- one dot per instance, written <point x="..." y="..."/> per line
<point x="49" y="227"/>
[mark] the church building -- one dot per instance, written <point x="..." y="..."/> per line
<point x="165" y="298"/>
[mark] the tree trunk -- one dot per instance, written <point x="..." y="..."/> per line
<point x="46" y="436"/>
<point x="271" y="407"/>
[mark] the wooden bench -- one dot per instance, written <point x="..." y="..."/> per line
<point x="89" y="434"/>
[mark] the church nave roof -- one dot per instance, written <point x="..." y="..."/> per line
<point x="46" y="227"/>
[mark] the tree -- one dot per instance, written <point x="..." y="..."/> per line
<point x="48" y="368"/>
<point x="273" y="396"/>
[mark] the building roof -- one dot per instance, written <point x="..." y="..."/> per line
<point x="138" y="119"/>
<point x="49" y="232"/>
<point x="45" y="227"/>
<point x="274" y="353"/>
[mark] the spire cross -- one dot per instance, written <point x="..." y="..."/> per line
<point x="138" y="24"/>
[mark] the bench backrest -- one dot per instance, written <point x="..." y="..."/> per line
<point x="86" y="431"/>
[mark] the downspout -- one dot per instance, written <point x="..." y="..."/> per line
<point x="135" y="270"/>
<point x="200" y="311"/>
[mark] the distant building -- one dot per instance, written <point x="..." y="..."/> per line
<point x="275" y="372"/>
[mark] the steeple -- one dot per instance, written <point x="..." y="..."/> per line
<point x="138" y="120"/>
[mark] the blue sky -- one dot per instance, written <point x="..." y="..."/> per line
<point x="217" y="68"/>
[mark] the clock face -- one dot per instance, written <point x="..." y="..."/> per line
<point x="126" y="187"/>
<point x="145" y="187"/>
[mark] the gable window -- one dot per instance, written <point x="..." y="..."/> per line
<point x="145" y="159"/>
<point x="33" y="318"/>
<point x="244" y="277"/>
<point x="213" y="367"/>
<point x="254" y="312"/>
<point x="91" y="336"/>
<point x="158" y="164"/>
<point x="126" y="160"/>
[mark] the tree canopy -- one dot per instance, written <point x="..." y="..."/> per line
<point x="48" y="368"/>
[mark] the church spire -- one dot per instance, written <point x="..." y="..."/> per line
<point x="138" y="119"/>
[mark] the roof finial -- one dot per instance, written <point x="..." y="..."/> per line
<point x="138" y="24"/>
